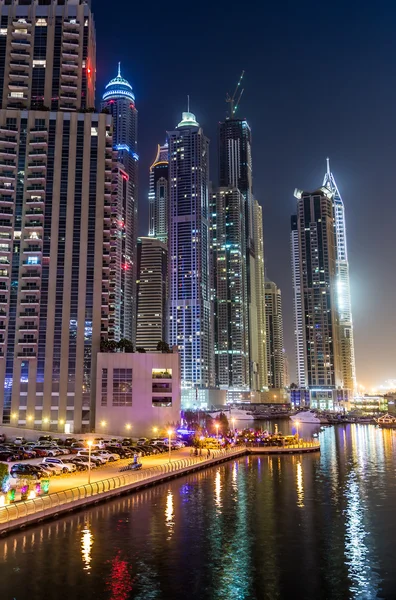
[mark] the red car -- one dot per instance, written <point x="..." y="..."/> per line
<point x="29" y="452"/>
<point x="40" y="452"/>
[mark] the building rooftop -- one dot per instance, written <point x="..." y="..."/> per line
<point x="119" y="88"/>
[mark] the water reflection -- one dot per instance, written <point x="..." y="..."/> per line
<point x="86" y="546"/>
<point x="217" y="485"/>
<point x="169" y="514"/>
<point x="300" y="488"/>
<point x="258" y="528"/>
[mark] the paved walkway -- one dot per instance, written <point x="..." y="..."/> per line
<point x="65" y="482"/>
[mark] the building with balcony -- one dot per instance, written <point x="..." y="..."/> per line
<point x="137" y="392"/>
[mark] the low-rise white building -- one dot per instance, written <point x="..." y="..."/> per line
<point x="137" y="392"/>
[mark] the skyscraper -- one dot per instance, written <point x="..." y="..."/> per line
<point x="189" y="268"/>
<point x="119" y="100"/>
<point x="235" y="171"/>
<point x="274" y="328"/>
<point x="343" y="287"/>
<point x="298" y="314"/>
<point x="56" y="229"/>
<point x="152" y="288"/>
<point x="159" y="195"/>
<point x="47" y="55"/>
<point x="318" y="288"/>
<point x="228" y="248"/>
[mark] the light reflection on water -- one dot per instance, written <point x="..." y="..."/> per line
<point x="265" y="528"/>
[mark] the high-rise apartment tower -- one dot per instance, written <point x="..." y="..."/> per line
<point x="159" y="195"/>
<point x="57" y="276"/>
<point x="274" y="327"/>
<point x="119" y="100"/>
<point x="152" y="288"/>
<point x="190" y="326"/>
<point x="343" y="286"/>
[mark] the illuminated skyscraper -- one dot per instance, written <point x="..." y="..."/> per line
<point x="235" y="170"/>
<point x="152" y="293"/>
<point x="316" y="263"/>
<point x="57" y="276"/>
<point x="298" y="315"/>
<point x="343" y="287"/>
<point x="274" y="327"/>
<point x="189" y="268"/>
<point x="119" y="100"/>
<point x="228" y="248"/>
<point x="159" y="195"/>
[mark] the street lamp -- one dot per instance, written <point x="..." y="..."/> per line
<point x="217" y="431"/>
<point x="169" y="441"/>
<point x="155" y="430"/>
<point x="233" y="424"/>
<point x="298" y="437"/>
<point x="89" y="460"/>
<point x="128" y="426"/>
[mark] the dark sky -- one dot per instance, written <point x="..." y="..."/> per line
<point x="320" y="81"/>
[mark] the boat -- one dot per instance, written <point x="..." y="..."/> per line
<point x="308" y="416"/>
<point x="387" y="421"/>
<point x="232" y="413"/>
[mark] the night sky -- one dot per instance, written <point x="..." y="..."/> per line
<point x="320" y="81"/>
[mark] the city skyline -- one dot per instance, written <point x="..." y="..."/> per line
<point x="278" y="120"/>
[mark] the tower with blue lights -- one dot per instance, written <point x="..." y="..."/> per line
<point x="119" y="100"/>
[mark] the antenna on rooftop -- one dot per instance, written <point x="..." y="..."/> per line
<point x="233" y="102"/>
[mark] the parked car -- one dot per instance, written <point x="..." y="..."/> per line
<point x="142" y="441"/>
<point x="110" y="456"/>
<point x="76" y="447"/>
<point x="123" y="452"/>
<point x="19" y="440"/>
<point x="7" y="456"/>
<point x="80" y="465"/>
<point x="70" y="441"/>
<point x="84" y="461"/>
<point x="45" y="438"/>
<point x="19" y="470"/>
<point x="65" y="467"/>
<point x="94" y="456"/>
<point x="2" y="438"/>
<point x="29" y="452"/>
<point x="40" y="452"/>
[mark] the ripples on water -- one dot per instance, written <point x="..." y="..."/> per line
<point x="299" y="527"/>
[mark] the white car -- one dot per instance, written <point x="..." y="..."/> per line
<point x="63" y="466"/>
<point x="19" y="440"/>
<point x="94" y="455"/>
<point x="110" y="456"/>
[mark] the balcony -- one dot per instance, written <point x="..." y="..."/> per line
<point x="72" y="34"/>
<point x="31" y="275"/>
<point x="19" y="74"/>
<point x="69" y="75"/>
<point x="32" y="249"/>
<point x="36" y="176"/>
<point x="5" y="210"/>
<point x="6" y="224"/>
<point x="19" y="53"/>
<point x="34" y="224"/>
<point x="33" y="315"/>
<point x="38" y="152"/>
<point x="68" y="53"/>
<point x="38" y="141"/>
<point x="7" y="176"/>
<point x="39" y="187"/>
<point x="17" y="86"/>
<point x="30" y="301"/>
<point x="68" y="85"/>
<point x="19" y="64"/>
<point x="27" y="354"/>
<point x="20" y="43"/>
<point x="27" y="341"/>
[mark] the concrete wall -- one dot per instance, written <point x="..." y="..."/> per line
<point x="140" y="418"/>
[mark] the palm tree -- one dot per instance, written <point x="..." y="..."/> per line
<point x="163" y="347"/>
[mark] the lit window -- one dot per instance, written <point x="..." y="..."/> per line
<point x="94" y="131"/>
<point x="16" y="94"/>
<point x="3" y="31"/>
<point x="33" y="260"/>
<point x="41" y="23"/>
<point x="39" y="63"/>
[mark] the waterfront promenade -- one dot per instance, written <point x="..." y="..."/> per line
<point x="73" y="492"/>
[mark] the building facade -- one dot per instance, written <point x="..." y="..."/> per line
<point x="228" y="250"/>
<point x="318" y="278"/>
<point x="235" y="171"/>
<point x="190" y="310"/>
<point x="343" y="286"/>
<point x="298" y="314"/>
<point x="58" y="197"/>
<point x="152" y="293"/>
<point x="47" y="55"/>
<point x="119" y="101"/>
<point x="55" y="227"/>
<point x="274" y="329"/>
<point x="159" y="195"/>
<point x="137" y="392"/>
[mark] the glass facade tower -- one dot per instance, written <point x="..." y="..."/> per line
<point x="159" y="195"/>
<point x="190" y="326"/>
<point x="119" y="100"/>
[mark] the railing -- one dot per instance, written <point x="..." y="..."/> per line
<point x="49" y="504"/>
<point x="301" y="444"/>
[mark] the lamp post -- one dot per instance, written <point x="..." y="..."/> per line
<point x="169" y="442"/>
<point x="155" y="430"/>
<point x="89" y="460"/>
<point x="233" y="424"/>
<point x="217" y="433"/>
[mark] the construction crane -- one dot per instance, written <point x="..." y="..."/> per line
<point x="231" y="99"/>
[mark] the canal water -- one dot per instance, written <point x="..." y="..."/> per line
<point x="305" y="527"/>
